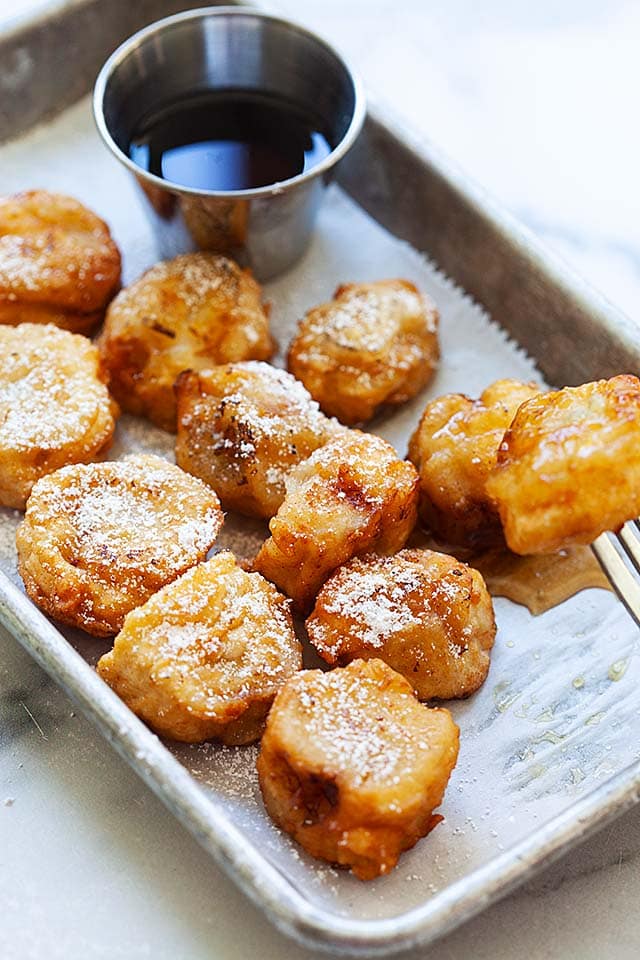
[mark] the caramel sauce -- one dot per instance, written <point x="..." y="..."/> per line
<point x="229" y="140"/>
<point x="537" y="582"/>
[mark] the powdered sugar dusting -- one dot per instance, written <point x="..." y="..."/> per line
<point x="203" y="307"/>
<point x="243" y="426"/>
<point x="197" y="277"/>
<point x="425" y="614"/>
<point x="365" y="459"/>
<point x="377" y="604"/>
<point x="373" y="344"/>
<point x="368" y="318"/>
<point x="56" y="256"/>
<point x="212" y="642"/>
<point x="373" y="733"/>
<point x="50" y="394"/>
<point x="128" y="525"/>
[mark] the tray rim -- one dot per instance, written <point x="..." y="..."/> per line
<point x="586" y="306"/>
<point x="265" y="885"/>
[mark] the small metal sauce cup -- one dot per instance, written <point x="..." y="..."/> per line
<point x="230" y="48"/>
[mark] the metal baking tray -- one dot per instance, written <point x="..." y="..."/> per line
<point x="547" y="758"/>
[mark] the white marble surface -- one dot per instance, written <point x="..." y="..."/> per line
<point x="538" y="103"/>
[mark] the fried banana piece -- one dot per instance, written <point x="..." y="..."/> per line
<point x="373" y="344"/>
<point x="569" y="466"/>
<point x="58" y="262"/>
<point x="96" y="541"/>
<point x="204" y="657"/>
<point x="350" y="497"/>
<point x="189" y="313"/>
<point x="242" y="427"/>
<point x="454" y="447"/>
<point x="353" y="766"/>
<point x="55" y="408"/>
<point x="425" y="614"/>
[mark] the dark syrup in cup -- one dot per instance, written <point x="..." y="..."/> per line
<point x="228" y="140"/>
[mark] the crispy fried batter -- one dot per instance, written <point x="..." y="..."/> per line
<point x="205" y="656"/>
<point x="98" y="540"/>
<point x="189" y="313"/>
<point x="373" y="344"/>
<point x="425" y="614"/>
<point x="242" y="427"/>
<point x="58" y="263"/>
<point x="454" y="448"/>
<point x="350" y="497"/>
<point x="352" y="765"/>
<point x="54" y="407"/>
<point x="569" y="466"/>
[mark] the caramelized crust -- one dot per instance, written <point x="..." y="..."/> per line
<point x="205" y="656"/>
<point x="425" y="614"/>
<point x="189" y="313"/>
<point x="58" y="263"/>
<point x="350" y="497"/>
<point x="54" y="406"/>
<point x="353" y="766"/>
<point x="569" y="466"/>
<point x="373" y="344"/>
<point x="454" y="448"/>
<point x="242" y="427"/>
<point x="98" y="540"/>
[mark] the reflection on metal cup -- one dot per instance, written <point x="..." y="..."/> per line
<point x="228" y="49"/>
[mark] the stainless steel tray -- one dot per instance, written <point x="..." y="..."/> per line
<point x="546" y="758"/>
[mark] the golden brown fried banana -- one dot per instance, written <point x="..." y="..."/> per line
<point x="205" y="656"/>
<point x="189" y="313"/>
<point x="353" y="766"/>
<point x="569" y="466"/>
<point x="58" y="263"/>
<point x="98" y="540"/>
<point x="54" y="406"/>
<point x="454" y="448"/>
<point x="352" y="496"/>
<point x="373" y="344"/>
<point x="242" y="427"/>
<point x="425" y="614"/>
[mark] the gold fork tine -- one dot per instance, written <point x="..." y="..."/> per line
<point x="623" y="581"/>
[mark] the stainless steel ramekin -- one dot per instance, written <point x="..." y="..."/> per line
<point x="224" y="48"/>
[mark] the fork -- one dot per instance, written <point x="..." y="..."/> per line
<point x="619" y="557"/>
